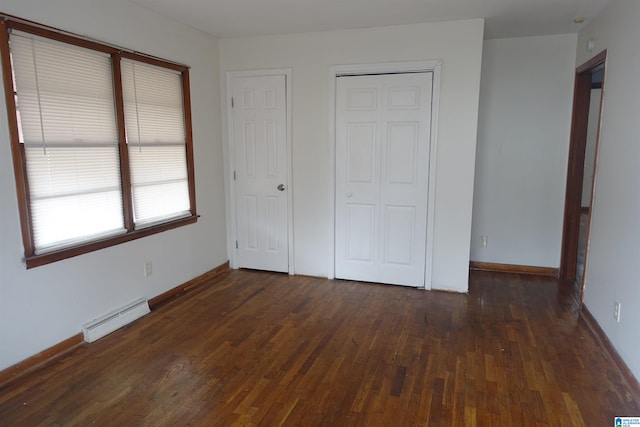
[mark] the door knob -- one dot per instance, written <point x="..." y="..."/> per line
<point x="281" y="187"/>
<point x="349" y="194"/>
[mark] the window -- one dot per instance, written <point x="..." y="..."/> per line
<point x="101" y="142"/>
<point x="156" y="141"/>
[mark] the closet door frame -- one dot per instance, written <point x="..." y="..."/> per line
<point x="433" y="66"/>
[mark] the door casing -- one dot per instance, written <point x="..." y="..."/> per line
<point x="575" y="169"/>
<point x="230" y="190"/>
<point x="433" y="66"/>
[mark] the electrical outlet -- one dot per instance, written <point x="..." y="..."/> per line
<point x="484" y="241"/>
<point x="148" y="269"/>
<point x="616" y="311"/>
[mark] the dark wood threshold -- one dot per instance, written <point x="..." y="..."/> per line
<point x="604" y="343"/>
<point x="512" y="268"/>
<point x="47" y="356"/>
<point x="36" y="361"/>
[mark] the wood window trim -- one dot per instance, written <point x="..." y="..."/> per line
<point x="43" y="259"/>
<point x="18" y="155"/>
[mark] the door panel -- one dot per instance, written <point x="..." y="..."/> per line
<point x="251" y="221"/>
<point x="361" y="225"/>
<point x="402" y="151"/>
<point x="361" y="139"/>
<point x="259" y="125"/>
<point x="399" y="226"/>
<point x="383" y="128"/>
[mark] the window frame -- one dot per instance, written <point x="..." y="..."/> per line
<point x="18" y="153"/>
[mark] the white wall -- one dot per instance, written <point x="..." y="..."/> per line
<point x="590" y="150"/>
<point x="310" y="55"/>
<point x="526" y="98"/>
<point x="613" y="270"/>
<point x="43" y="306"/>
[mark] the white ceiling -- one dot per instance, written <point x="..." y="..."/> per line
<point x="504" y="18"/>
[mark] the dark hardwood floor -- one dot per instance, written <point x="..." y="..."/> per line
<point x="253" y="348"/>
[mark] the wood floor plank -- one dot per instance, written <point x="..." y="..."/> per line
<point x="263" y="349"/>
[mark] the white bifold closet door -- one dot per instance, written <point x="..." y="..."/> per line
<point x="383" y="131"/>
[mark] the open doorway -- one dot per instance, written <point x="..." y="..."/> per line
<point x="581" y="172"/>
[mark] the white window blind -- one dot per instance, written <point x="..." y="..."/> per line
<point x="67" y="126"/>
<point x="155" y="127"/>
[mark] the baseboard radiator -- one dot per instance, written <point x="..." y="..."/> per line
<point x="116" y="319"/>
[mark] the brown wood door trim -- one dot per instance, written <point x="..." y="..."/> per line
<point x="575" y="174"/>
<point x="575" y="169"/>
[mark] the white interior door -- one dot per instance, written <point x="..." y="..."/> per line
<point x="259" y="140"/>
<point x="383" y="128"/>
